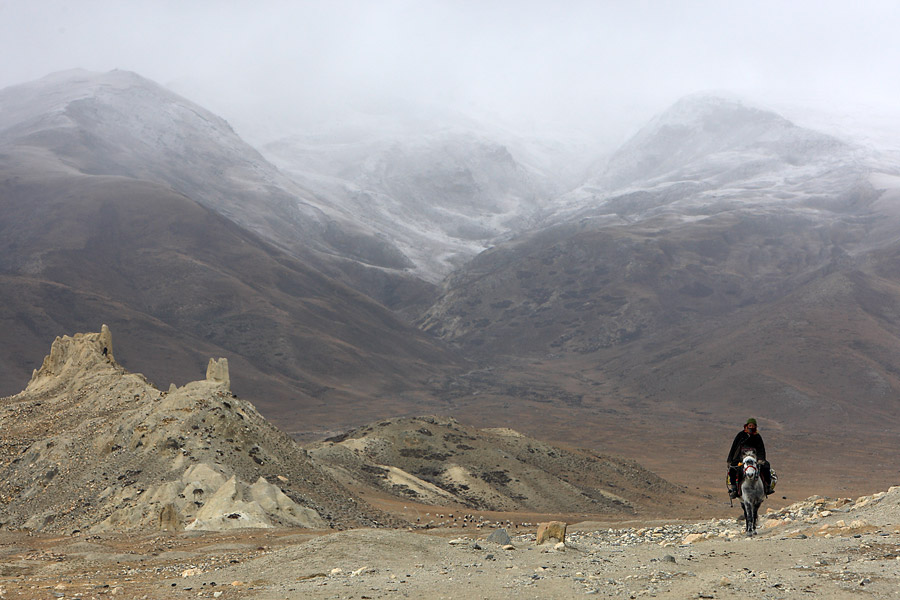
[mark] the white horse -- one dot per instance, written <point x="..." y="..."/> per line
<point x="753" y="492"/>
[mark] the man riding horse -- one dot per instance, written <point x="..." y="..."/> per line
<point x="748" y="439"/>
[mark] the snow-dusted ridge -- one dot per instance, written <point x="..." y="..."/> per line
<point x="707" y="154"/>
<point x="423" y="199"/>
<point x="442" y="196"/>
<point x="121" y="124"/>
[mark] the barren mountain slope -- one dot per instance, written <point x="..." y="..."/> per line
<point x="742" y="311"/>
<point x="89" y="446"/>
<point x="122" y="125"/>
<point x="77" y="249"/>
<point x="434" y="460"/>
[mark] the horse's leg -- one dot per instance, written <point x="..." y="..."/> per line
<point x="747" y="517"/>
<point x="755" y="515"/>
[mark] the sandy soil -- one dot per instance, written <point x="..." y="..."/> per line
<point x="823" y="548"/>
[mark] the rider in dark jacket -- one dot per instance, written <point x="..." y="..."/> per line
<point x="748" y="439"/>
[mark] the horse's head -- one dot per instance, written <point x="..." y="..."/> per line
<point x="751" y="466"/>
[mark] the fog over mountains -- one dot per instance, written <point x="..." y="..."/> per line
<point x="442" y="197"/>
<point x="723" y="260"/>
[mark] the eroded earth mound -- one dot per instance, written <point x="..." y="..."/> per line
<point x="89" y="446"/>
<point x="437" y="460"/>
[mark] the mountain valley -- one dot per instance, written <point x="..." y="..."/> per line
<point x="725" y="262"/>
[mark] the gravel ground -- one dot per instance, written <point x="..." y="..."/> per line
<point x="827" y="548"/>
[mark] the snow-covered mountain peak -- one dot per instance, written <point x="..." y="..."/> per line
<point x="712" y="129"/>
<point x="117" y="108"/>
<point x="703" y="109"/>
<point x="708" y="154"/>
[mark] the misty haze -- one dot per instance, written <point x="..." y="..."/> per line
<point x="362" y="293"/>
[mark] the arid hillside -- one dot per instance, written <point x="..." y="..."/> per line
<point x="168" y="274"/>
<point x="434" y="460"/>
<point x="88" y="446"/>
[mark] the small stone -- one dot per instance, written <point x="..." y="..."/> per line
<point x="337" y="571"/>
<point x="560" y="547"/>
<point x="668" y="558"/>
<point x="725" y="582"/>
<point x="692" y="537"/>
<point x="509" y="547"/>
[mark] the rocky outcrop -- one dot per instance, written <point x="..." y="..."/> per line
<point x="217" y="371"/>
<point x="551" y="530"/>
<point x="73" y="358"/>
<point x="89" y="446"/>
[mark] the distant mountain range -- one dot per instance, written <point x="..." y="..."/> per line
<point x="723" y="261"/>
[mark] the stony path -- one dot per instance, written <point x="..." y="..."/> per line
<point x="825" y="548"/>
<point x="617" y="563"/>
<point x="817" y="548"/>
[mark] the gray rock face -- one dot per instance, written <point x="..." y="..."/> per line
<point x="500" y="536"/>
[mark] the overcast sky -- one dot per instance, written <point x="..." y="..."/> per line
<point x="538" y="64"/>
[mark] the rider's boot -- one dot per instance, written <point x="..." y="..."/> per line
<point x="733" y="491"/>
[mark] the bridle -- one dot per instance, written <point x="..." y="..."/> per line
<point x="751" y="468"/>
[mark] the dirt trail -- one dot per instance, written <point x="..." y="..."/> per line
<point x="831" y="548"/>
